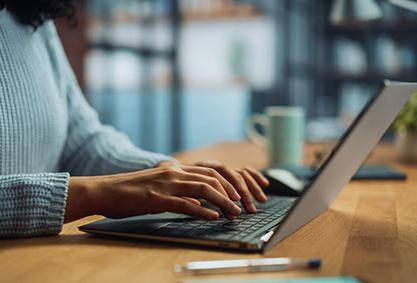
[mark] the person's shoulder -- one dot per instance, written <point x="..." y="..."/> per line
<point x="48" y="29"/>
<point x="6" y="18"/>
<point x="10" y="27"/>
<point x="12" y="33"/>
<point x="9" y="22"/>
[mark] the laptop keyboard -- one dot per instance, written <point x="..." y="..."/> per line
<point x="268" y="215"/>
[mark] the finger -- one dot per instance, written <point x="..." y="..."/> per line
<point x="253" y="186"/>
<point x="258" y="176"/>
<point x="237" y="181"/>
<point x="205" y="191"/>
<point x="187" y="176"/>
<point x="204" y="179"/>
<point x="180" y="205"/>
<point x="193" y="200"/>
<point x="230" y="190"/>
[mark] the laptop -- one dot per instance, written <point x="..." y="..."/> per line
<point x="281" y="215"/>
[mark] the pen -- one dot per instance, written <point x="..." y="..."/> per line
<point x="246" y="265"/>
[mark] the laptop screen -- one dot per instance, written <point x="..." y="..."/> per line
<point x="346" y="158"/>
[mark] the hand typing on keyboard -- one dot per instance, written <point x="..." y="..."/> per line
<point x="167" y="188"/>
<point x="246" y="182"/>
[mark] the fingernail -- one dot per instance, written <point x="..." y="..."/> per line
<point x="231" y="217"/>
<point x="264" y="197"/>
<point x="236" y="196"/>
<point x="236" y="209"/>
<point x="215" y="215"/>
<point x="252" y="208"/>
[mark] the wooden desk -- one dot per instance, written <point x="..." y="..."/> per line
<point x="370" y="232"/>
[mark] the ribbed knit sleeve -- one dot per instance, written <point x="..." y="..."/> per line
<point x="32" y="204"/>
<point x="46" y="125"/>
<point x="92" y="148"/>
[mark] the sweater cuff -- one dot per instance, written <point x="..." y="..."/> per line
<point x="56" y="210"/>
<point x="32" y="204"/>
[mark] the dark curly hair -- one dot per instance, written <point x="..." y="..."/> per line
<point x="36" y="12"/>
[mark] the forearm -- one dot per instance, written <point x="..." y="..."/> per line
<point x="104" y="151"/>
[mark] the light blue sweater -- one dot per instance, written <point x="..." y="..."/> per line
<point x="47" y="132"/>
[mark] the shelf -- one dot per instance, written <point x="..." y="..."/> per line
<point x="141" y="51"/>
<point x="238" y="13"/>
<point x="241" y="12"/>
<point x="397" y="26"/>
<point x="370" y="76"/>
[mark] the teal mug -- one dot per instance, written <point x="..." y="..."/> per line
<point x="283" y="129"/>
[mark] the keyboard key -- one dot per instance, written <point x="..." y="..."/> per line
<point x="223" y="229"/>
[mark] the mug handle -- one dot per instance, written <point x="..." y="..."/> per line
<point x="253" y="134"/>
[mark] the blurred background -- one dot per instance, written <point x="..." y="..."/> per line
<point x="180" y="74"/>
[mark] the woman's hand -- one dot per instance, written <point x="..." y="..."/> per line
<point x="247" y="182"/>
<point x="169" y="187"/>
<point x="173" y="188"/>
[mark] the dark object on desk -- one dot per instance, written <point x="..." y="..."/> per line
<point x="290" y="181"/>
<point x="367" y="172"/>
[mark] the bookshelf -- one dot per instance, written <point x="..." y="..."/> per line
<point x="331" y="70"/>
<point x="389" y="49"/>
<point x="399" y="32"/>
<point x="396" y="30"/>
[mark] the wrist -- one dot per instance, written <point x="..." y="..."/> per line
<point x="167" y="163"/>
<point x="81" y="201"/>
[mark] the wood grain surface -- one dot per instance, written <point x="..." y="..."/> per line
<point x="369" y="232"/>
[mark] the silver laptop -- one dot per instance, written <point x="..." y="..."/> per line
<point x="280" y="216"/>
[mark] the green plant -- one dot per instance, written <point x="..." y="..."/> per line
<point x="407" y="119"/>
